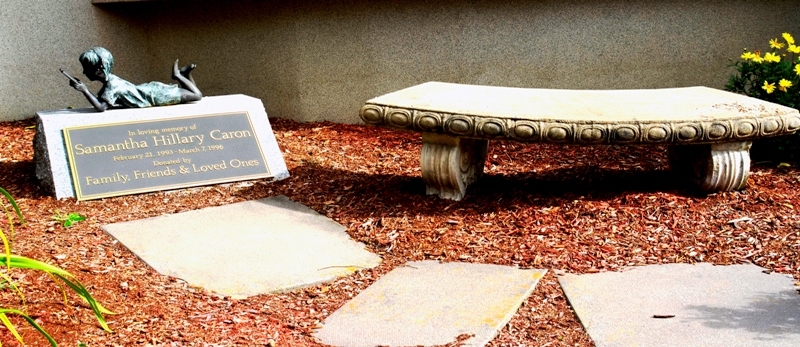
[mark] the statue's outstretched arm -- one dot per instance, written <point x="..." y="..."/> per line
<point x="98" y="105"/>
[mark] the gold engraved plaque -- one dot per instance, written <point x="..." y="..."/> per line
<point x="144" y="156"/>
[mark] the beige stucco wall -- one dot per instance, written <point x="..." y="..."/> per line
<point x="37" y="37"/>
<point x="320" y="60"/>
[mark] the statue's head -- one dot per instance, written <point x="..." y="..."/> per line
<point x="98" y="59"/>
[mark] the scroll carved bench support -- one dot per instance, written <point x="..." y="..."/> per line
<point x="713" y="167"/>
<point x="450" y="164"/>
<point x="709" y="132"/>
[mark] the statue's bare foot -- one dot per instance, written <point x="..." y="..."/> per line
<point x="186" y="71"/>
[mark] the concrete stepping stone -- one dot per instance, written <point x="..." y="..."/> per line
<point x="248" y="248"/>
<point x="428" y="303"/>
<point x="687" y="305"/>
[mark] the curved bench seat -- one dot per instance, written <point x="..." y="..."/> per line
<point x="709" y="131"/>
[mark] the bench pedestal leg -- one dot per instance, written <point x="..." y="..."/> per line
<point x="718" y="167"/>
<point x="449" y="164"/>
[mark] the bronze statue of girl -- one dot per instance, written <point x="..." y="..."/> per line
<point x="119" y="93"/>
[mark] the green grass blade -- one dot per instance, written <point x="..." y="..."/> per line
<point x="11" y="284"/>
<point x="10" y="222"/>
<point x="13" y="204"/>
<point x="67" y="278"/>
<point x="83" y="293"/>
<point x="60" y="287"/>
<point x="30" y="321"/>
<point x="10" y="327"/>
<point x="21" y="262"/>
<point x="6" y="247"/>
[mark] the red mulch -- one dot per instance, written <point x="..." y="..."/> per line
<point x="578" y="209"/>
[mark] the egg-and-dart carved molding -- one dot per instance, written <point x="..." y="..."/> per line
<point x="581" y="132"/>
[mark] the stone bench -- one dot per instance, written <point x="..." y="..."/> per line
<point x="708" y="131"/>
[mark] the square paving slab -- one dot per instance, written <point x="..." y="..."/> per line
<point x="699" y="305"/>
<point x="248" y="248"/>
<point x="428" y="303"/>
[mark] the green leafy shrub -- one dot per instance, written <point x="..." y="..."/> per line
<point x="10" y="261"/>
<point x="773" y="77"/>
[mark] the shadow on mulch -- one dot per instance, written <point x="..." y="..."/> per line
<point x="367" y="194"/>
<point x="19" y="179"/>
<point x="580" y="181"/>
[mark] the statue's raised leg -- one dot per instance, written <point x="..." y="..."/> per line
<point x="185" y="82"/>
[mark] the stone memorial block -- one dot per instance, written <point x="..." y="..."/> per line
<point x="86" y="154"/>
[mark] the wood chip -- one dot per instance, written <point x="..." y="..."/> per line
<point x="569" y="208"/>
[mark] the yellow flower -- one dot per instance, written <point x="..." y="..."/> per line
<point x="797" y="69"/>
<point x="784" y="84"/>
<point x="756" y="57"/>
<point x="768" y="87"/>
<point x="794" y="49"/>
<point x="775" y="44"/>
<point x="789" y="39"/>
<point x="748" y="55"/>
<point x="771" y="57"/>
